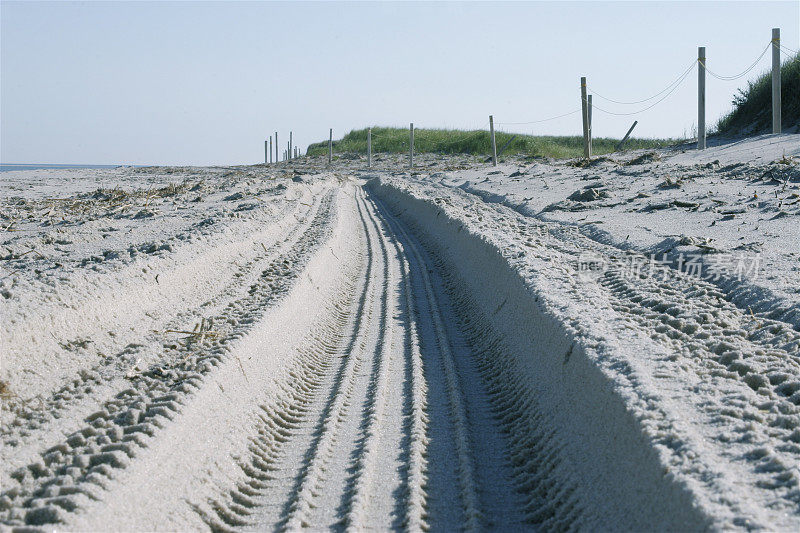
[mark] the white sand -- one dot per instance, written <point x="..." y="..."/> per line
<point x="421" y="350"/>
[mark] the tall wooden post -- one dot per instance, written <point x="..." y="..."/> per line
<point x="494" y="143"/>
<point x="701" y="98"/>
<point x="290" y="145"/>
<point x="369" y="148"/>
<point x="411" y="146"/>
<point x="270" y="148"/>
<point x="776" y="80"/>
<point x="266" y="151"/>
<point x="276" y="147"/>
<point x="589" y="106"/>
<point x="585" y="113"/>
<point x="330" y="147"/>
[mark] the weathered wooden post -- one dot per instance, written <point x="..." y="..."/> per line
<point x="589" y="105"/>
<point x="270" y="148"/>
<point x="411" y="146"/>
<point x="585" y="112"/>
<point x="635" y="122"/>
<point x="266" y="153"/>
<point x="494" y="143"/>
<point x="330" y="147"/>
<point x="276" y="147"/>
<point x="369" y="148"/>
<point x="701" y="98"/>
<point x="290" y="145"/>
<point x="776" y="80"/>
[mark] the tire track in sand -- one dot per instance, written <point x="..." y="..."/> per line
<point x="326" y="463"/>
<point x="76" y="471"/>
<point x="351" y="447"/>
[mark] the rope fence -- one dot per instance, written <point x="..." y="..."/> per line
<point x="677" y="81"/>
<point x="741" y="74"/>
<point x="587" y="106"/>
<point x="670" y="91"/>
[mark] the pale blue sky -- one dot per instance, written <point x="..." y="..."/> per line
<point x="206" y="83"/>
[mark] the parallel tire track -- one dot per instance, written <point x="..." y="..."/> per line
<point x="415" y="505"/>
<point x="724" y="348"/>
<point x="85" y="391"/>
<point x="72" y="472"/>
<point x="465" y="467"/>
<point x="533" y="448"/>
<point x="343" y="461"/>
<point x="32" y="418"/>
<point x="343" y="437"/>
<point x="375" y="293"/>
<point x="363" y="477"/>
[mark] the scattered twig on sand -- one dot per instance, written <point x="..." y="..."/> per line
<point x="241" y="367"/>
<point x="200" y="331"/>
<point x="758" y="322"/>
<point x="194" y="333"/>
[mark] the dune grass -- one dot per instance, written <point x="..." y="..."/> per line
<point x="477" y="142"/>
<point x="752" y="106"/>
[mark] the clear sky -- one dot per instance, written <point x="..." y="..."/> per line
<point x="206" y="83"/>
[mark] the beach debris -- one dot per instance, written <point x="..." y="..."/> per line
<point x="671" y="183"/>
<point x="201" y="331"/>
<point x="647" y="157"/>
<point x="589" y="193"/>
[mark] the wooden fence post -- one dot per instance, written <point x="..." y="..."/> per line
<point x="589" y="106"/>
<point x="585" y="113"/>
<point x="266" y="154"/>
<point x="369" y="148"/>
<point x="494" y="143"/>
<point x="776" y="80"/>
<point x="701" y="98"/>
<point x="330" y="147"/>
<point x="411" y="146"/>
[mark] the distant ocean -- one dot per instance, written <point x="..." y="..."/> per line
<point x="33" y="166"/>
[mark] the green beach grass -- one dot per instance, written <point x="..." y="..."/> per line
<point x="752" y="106"/>
<point x="477" y="142"/>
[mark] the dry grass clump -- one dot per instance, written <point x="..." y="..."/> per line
<point x="787" y="160"/>
<point x="201" y="331"/>
<point x="647" y="157"/>
<point x="671" y="183"/>
<point x="5" y="391"/>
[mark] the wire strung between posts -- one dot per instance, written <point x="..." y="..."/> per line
<point x="685" y="75"/>
<point x="668" y="87"/>
<point x="737" y="76"/>
<point x="788" y="51"/>
<point x="456" y="142"/>
<point x="537" y="121"/>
